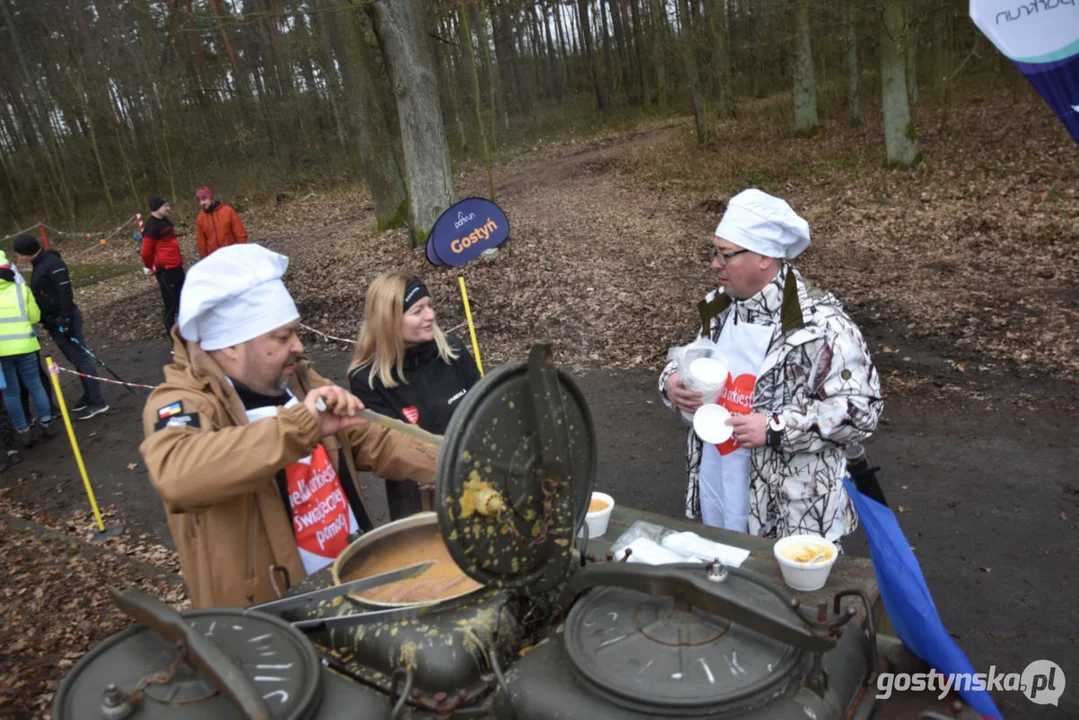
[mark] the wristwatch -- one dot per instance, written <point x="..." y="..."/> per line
<point x="774" y="436"/>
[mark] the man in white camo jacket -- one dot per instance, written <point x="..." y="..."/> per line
<point x="802" y="385"/>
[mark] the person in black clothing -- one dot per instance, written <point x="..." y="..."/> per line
<point x="406" y="367"/>
<point x="51" y="286"/>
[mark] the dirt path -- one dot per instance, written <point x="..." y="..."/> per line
<point x="982" y="464"/>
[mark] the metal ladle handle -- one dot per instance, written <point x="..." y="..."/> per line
<point x="201" y="652"/>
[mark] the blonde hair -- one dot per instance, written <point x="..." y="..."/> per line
<point x="380" y="344"/>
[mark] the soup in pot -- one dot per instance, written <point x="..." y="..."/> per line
<point x="415" y="545"/>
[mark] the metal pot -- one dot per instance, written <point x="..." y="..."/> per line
<point x="393" y="532"/>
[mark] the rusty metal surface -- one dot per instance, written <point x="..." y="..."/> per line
<point x="847" y="573"/>
<point x="445" y="648"/>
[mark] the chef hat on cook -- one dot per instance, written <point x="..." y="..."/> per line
<point x="764" y="224"/>
<point x="235" y="295"/>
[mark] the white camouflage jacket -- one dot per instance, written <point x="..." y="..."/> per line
<point x="818" y="376"/>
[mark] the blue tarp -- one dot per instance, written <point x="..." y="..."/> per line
<point x="906" y="597"/>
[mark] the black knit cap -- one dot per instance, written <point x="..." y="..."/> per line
<point x="156" y="201"/>
<point x="26" y="245"/>
<point x="415" y="291"/>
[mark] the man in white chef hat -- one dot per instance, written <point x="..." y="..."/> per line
<point x="800" y="385"/>
<point x="254" y="454"/>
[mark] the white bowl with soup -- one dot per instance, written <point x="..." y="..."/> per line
<point x="796" y="554"/>
<point x="600" y="508"/>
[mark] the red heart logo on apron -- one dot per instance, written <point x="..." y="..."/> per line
<point x="737" y="397"/>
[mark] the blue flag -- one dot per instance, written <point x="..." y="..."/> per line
<point x="1042" y="39"/>
<point x="906" y="597"/>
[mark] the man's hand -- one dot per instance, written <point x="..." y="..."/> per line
<point x="334" y="407"/>
<point x="682" y="397"/>
<point x="146" y="270"/>
<point x="749" y="430"/>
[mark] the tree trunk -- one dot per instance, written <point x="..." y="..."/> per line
<point x="659" y="51"/>
<point x="400" y="28"/>
<point x="464" y="34"/>
<point x="586" y="38"/>
<point x="805" y="89"/>
<point x="638" y="51"/>
<point x="911" y="43"/>
<point x="628" y="85"/>
<point x="852" y="61"/>
<point x="721" y="58"/>
<point x="553" y="57"/>
<point x="690" y="60"/>
<point x="447" y="95"/>
<point x="900" y="135"/>
<point x="479" y="18"/>
<point x="608" y="59"/>
<point x="371" y="124"/>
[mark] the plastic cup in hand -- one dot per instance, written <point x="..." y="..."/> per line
<point x="710" y="424"/>
<point x="707" y="376"/>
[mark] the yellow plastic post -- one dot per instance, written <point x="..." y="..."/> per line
<point x="54" y="373"/>
<point x="471" y="327"/>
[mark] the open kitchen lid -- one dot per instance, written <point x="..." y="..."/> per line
<point x="515" y="475"/>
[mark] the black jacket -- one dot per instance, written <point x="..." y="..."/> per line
<point x="434" y="388"/>
<point x="51" y="286"/>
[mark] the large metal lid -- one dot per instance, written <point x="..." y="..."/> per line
<point x="515" y="475"/>
<point x="664" y="657"/>
<point x="272" y="660"/>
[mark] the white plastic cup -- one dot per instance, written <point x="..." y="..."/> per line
<point x="805" y="576"/>
<point x="597" y="521"/>
<point x="706" y="375"/>
<point x="710" y="424"/>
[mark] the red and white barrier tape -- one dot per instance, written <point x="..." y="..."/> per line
<point x="321" y="334"/>
<point x="60" y="367"/>
<point x="353" y="342"/>
<point x="21" y="232"/>
<point x="106" y="233"/>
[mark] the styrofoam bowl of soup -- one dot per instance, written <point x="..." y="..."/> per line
<point x="796" y="556"/>
<point x="600" y="508"/>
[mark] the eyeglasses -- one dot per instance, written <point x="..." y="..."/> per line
<point x="724" y="257"/>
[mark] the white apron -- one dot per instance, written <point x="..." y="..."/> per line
<point x="724" y="477"/>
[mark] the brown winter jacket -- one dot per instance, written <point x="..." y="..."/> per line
<point x="215" y="473"/>
<point x="218" y="227"/>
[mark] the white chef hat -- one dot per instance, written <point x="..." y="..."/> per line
<point x="764" y="224"/>
<point x="235" y="295"/>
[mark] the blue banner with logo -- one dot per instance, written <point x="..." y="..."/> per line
<point x="1042" y="39"/>
<point x="465" y="231"/>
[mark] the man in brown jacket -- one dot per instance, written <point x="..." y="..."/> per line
<point x="217" y="225"/>
<point x="254" y="454"/>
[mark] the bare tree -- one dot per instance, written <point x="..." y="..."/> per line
<point x="805" y="88"/>
<point x="900" y="135"/>
<point x="400" y="28"/>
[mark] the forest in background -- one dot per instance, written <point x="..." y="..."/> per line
<point x="107" y="101"/>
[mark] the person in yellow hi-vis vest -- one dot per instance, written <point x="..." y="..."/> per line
<point x="18" y="355"/>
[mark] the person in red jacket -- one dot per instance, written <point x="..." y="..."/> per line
<point x="161" y="255"/>
<point x="217" y="225"/>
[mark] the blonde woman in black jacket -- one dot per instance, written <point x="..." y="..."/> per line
<point x="407" y="368"/>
